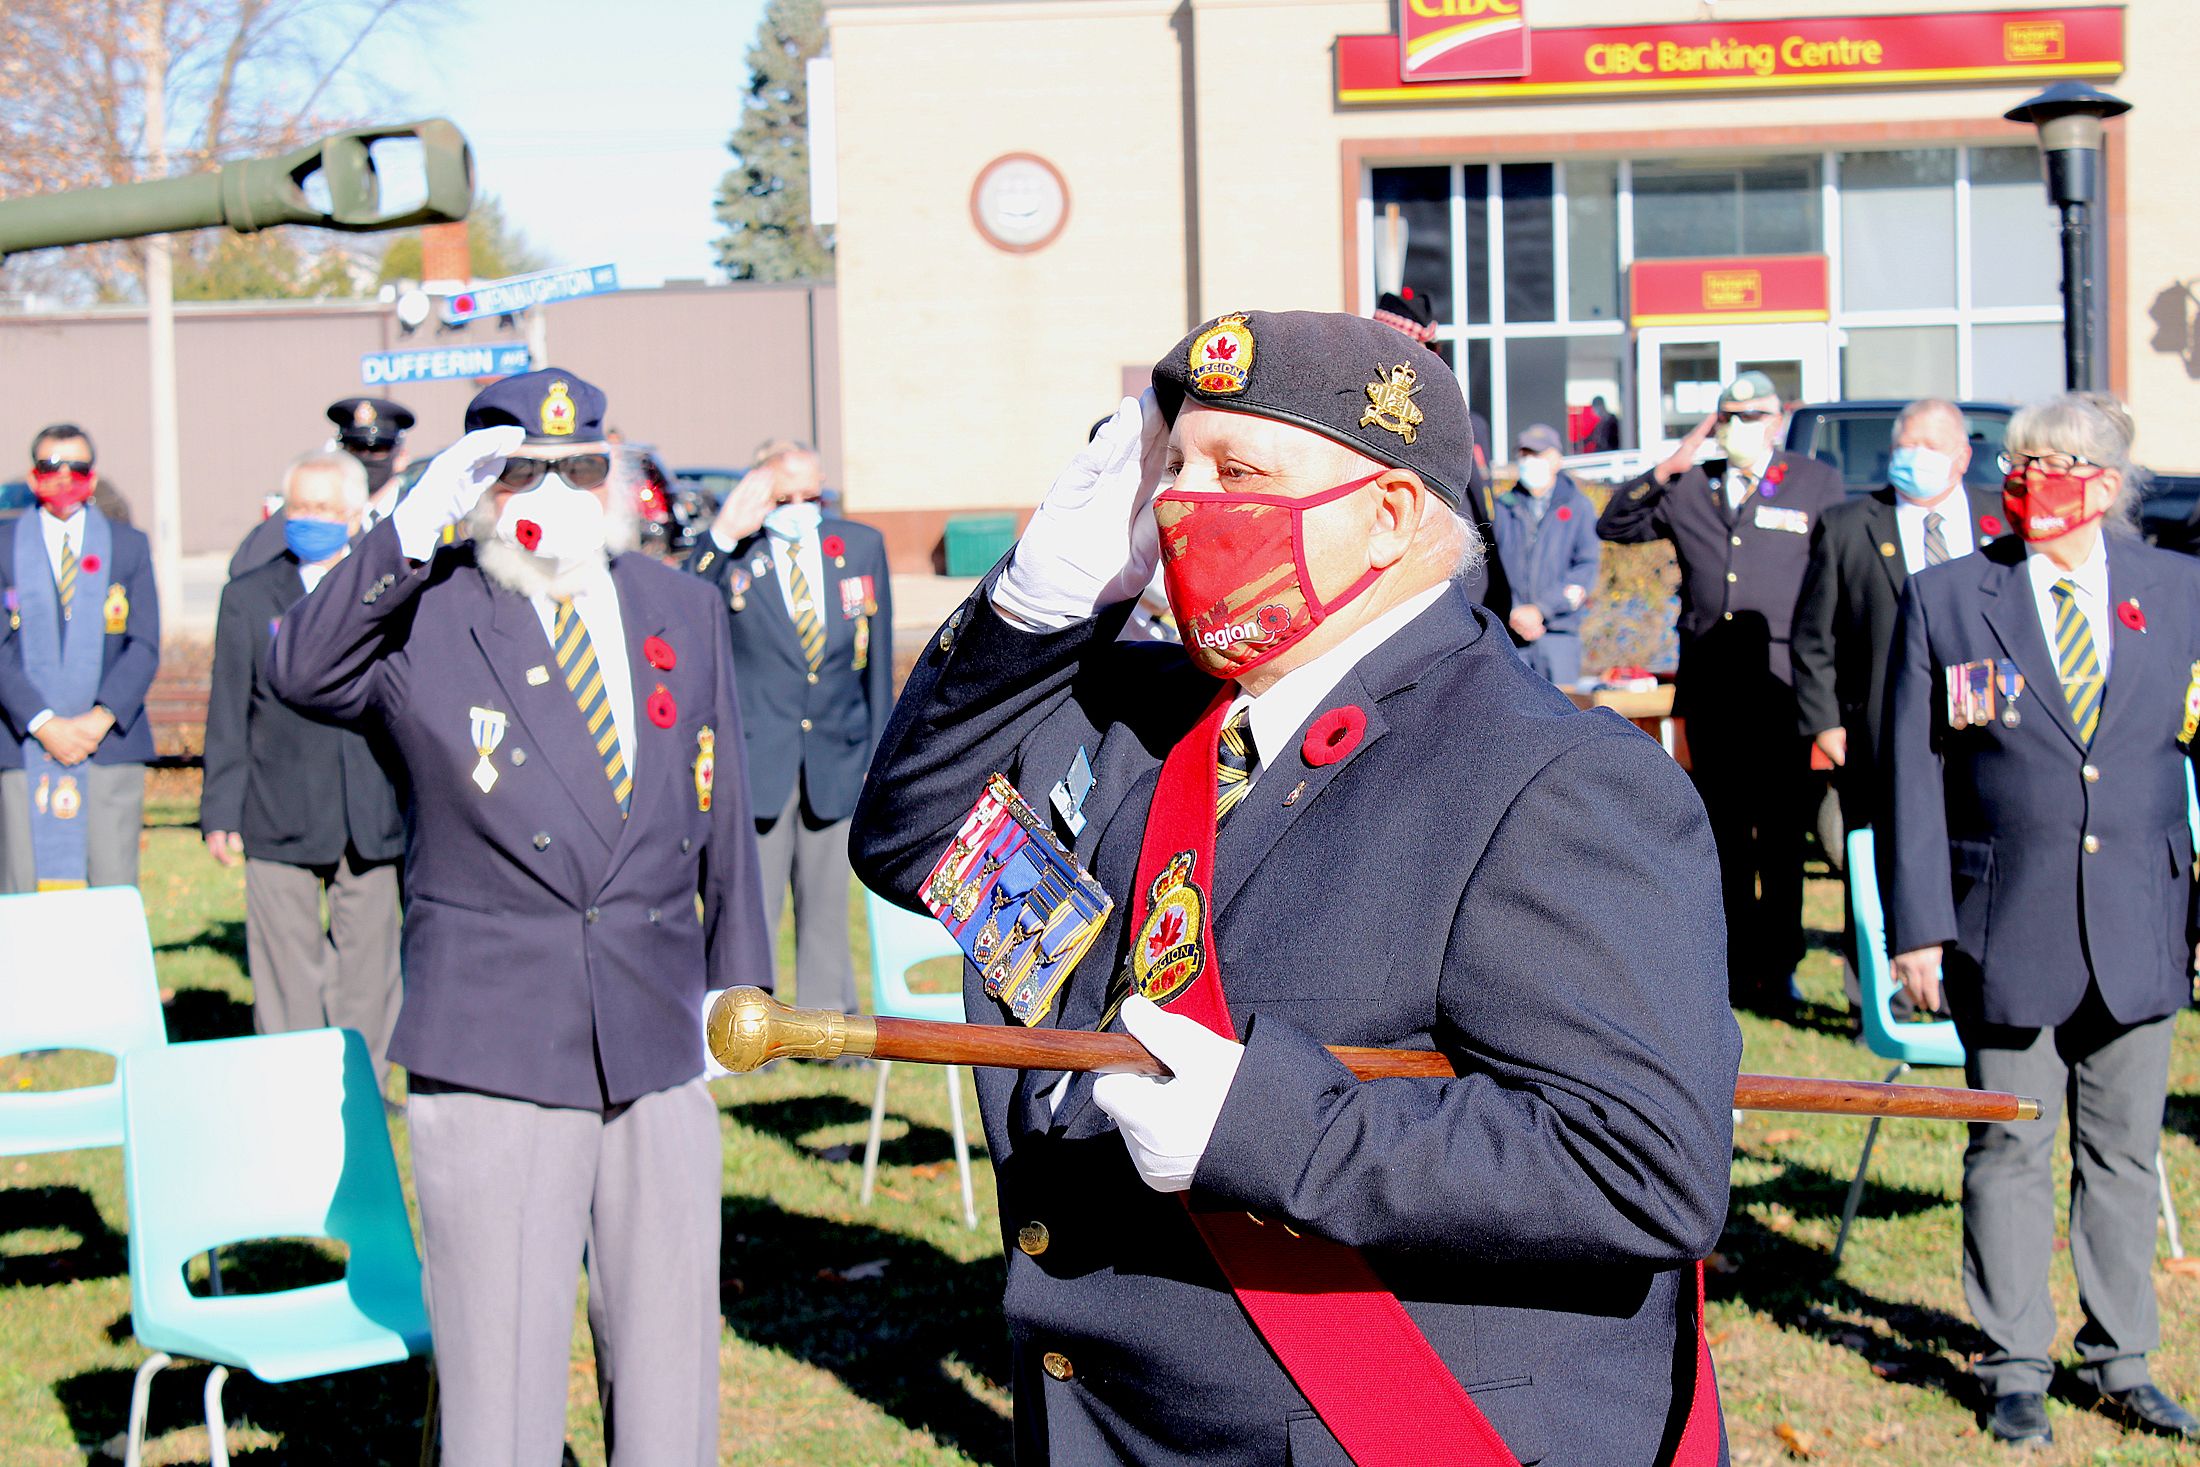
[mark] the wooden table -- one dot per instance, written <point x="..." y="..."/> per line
<point x="1650" y="711"/>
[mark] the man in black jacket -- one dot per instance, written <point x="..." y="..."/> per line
<point x="309" y="808"/>
<point x="1740" y="525"/>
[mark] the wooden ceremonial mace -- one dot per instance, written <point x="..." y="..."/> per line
<point x="749" y="1027"/>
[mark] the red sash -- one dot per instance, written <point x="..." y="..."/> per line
<point x="1344" y="1339"/>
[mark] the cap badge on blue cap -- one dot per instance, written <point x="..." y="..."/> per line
<point x="1222" y="356"/>
<point x="557" y="412"/>
<point x="363" y="415"/>
<point x="1390" y="403"/>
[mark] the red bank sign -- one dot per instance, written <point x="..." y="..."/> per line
<point x="1700" y="292"/>
<point x="1484" y="50"/>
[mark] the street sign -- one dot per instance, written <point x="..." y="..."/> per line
<point x="386" y="368"/>
<point x="518" y="292"/>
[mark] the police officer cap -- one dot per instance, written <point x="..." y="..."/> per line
<point x="1347" y="378"/>
<point x="1748" y="387"/>
<point x="554" y="406"/>
<point x="369" y="422"/>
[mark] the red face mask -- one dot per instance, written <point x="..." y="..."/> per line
<point x="1235" y="567"/>
<point x="2043" y="505"/>
<point x="62" y="492"/>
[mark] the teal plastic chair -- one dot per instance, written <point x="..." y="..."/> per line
<point x="899" y="941"/>
<point x="76" y="972"/>
<point x="275" y="1136"/>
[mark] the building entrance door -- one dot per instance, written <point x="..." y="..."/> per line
<point x="1679" y="370"/>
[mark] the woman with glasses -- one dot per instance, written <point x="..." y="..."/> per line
<point x="2043" y="701"/>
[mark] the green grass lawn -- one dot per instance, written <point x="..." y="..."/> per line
<point x="905" y="1362"/>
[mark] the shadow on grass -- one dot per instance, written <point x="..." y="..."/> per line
<point x="793" y="1119"/>
<point x="100" y="1251"/>
<point x="205" y="1013"/>
<point x="224" y="935"/>
<point x="367" y="1417"/>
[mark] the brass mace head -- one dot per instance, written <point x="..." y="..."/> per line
<point x="748" y="1027"/>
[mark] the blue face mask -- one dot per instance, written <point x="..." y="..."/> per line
<point x="314" y="541"/>
<point x="1919" y="473"/>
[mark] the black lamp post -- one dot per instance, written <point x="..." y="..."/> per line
<point x="2069" y="116"/>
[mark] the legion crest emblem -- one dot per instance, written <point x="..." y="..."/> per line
<point x="1222" y="357"/>
<point x="1390" y="404"/>
<point x="1172" y="948"/>
<point x="557" y="412"/>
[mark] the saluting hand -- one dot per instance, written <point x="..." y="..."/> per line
<point x="452" y="485"/>
<point x="1684" y="457"/>
<point x="1167" y="1122"/>
<point x="742" y="515"/>
<point x="1918" y="971"/>
<point x="1093" y="541"/>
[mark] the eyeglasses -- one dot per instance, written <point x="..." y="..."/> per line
<point x="80" y="468"/>
<point x="1754" y="415"/>
<point x="2046" y="463"/>
<point x="582" y="471"/>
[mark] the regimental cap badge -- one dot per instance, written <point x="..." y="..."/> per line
<point x="1390" y="403"/>
<point x="1222" y="357"/>
<point x="364" y="416"/>
<point x="557" y="412"/>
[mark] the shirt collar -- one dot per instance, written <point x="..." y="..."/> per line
<point x="2089" y="575"/>
<point x="1951" y="508"/>
<point x="55" y="522"/>
<point x="1292" y="699"/>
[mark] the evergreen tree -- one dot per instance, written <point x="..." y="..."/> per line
<point x="764" y="200"/>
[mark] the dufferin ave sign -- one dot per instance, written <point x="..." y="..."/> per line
<point x="1485" y="50"/>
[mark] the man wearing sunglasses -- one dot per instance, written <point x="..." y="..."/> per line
<point x="1740" y="524"/>
<point x="370" y="429"/>
<point x="79" y="644"/>
<point x="580" y="867"/>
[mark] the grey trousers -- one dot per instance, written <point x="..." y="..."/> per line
<point x="114" y="817"/>
<point x="815" y="858"/>
<point x="510" y="1195"/>
<point x="307" y="974"/>
<point x="2113" y="1077"/>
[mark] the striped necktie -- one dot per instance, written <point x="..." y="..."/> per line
<point x="1936" y="542"/>
<point x="2076" y="662"/>
<point x="584" y="680"/>
<point x="1236" y="761"/>
<point x="65" y="579"/>
<point x="807" y="628"/>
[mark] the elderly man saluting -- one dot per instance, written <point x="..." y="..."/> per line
<point x="1279" y="811"/>
<point x="567" y="721"/>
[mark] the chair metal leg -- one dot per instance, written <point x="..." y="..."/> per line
<point x="431" y="1420"/>
<point x="141" y="1399"/>
<point x="1856" y="1183"/>
<point x="2169" y="1207"/>
<point x="217" y="1428"/>
<point x="878" y="1118"/>
<point x="962" y="1147"/>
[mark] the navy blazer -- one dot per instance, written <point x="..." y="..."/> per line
<point x="1543" y="557"/>
<point x="1988" y="827"/>
<point x="299" y="792"/>
<point x="1538" y="1216"/>
<point x="130" y="659"/>
<point x="545" y="936"/>
<point x="819" y="729"/>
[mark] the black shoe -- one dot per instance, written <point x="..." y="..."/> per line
<point x="2149" y="1408"/>
<point x="2020" y="1420"/>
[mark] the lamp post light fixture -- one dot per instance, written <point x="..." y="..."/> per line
<point x="2069" y="117"/>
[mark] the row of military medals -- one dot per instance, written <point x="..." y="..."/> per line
<point x="1973" y="689"/>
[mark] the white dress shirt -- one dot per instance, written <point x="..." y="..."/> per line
<point x="311" y="574"/>
<point x="598" y="606"/>
<point x="806" y="551"/>
<point x="2090" y="576"/>
<point x="1909" y="527"/>
<point x="1741" y="482"/>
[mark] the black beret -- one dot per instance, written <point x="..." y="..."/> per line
<point x="1348" y="378"/>
<point x="553" y="405"/>
<point x="369" y="422"/>
<point x="1409" y="313"/>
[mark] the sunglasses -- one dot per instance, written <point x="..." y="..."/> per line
<point x="81" y="468"/>
<point x="582" y="471"/>
<point x="1757" y="415"/>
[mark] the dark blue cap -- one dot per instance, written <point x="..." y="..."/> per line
<point x="553" y="405"/>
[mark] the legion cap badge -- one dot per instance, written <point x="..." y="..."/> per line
<point x="1222" y="356"/>
<point x="557" y="412"/>
<point x="1169" y="952"/>
<point x="1390" y="402"/>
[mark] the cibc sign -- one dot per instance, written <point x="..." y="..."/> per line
<point x="1462" y="40"/>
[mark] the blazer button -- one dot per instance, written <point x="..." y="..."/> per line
<point x="2092" y="844"/>
<point x="591" y="915"/>
<point x="1033" y="1238"/>
<point x="813" y="677"/>
<point x="519" y="757"/>
<point x="1734" y="539"/>
<point x="1729" y="616"/>
<point x="685" y="845"/>
<point x="947" y="639"/>
<point x="542" y="840"/>
<point x="2092" y="774"/>
<point x="805" y="725"/>
<point x="654" y="914"/>
<point x="1731" y="576"/>
<point x="1056" y="1364"/>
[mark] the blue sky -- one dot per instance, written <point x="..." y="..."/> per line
<point x="602" y="129"/>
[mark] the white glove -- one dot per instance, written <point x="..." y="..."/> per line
<point x="1167" y="1123"/>
<point x="451" y="486"/>
<point x="1093" y="541"/>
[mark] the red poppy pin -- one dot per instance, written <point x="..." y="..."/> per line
<point x="1990" y="524"/>
<point x="528" y="533"/>
<point x="660" y="707"/>
<point x="1565" y="512"/>
<point x="1334" y="736"/>
<point x="658" y="651"/>
<point x="2131" y="616"/>
<point x="90" y="565"/>
<point x="834" y="546"/>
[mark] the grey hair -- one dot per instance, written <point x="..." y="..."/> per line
<point x="1924" y="407"/>
<point x="777" y="448"/>
<point x="351" y="475"/>
<point x="1469" y="549"/>
<point x="2085" y="426"/>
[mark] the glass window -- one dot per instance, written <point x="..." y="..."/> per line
<point x="1764" y="206"/>
<point x="1551" y="379"/>
<point x="1900" y="362"/>
<point x="1413" y="227"/>
<point x="1898" y="230"/>
<point x="1478" y="391"/>
<point x="1531" y="241"/>
<point x="1475" y="184"/>
<point x="1688" y="385"/>
<point x="1592" y="241"/>
<point x="2016" y="257"/>
<point x="2016" y="364"/>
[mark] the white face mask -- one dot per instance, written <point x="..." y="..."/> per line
<point x="558" y="525"/>
<point x="1745" y="443"/>
<point x="793" y="521"/>
<point x="1537" y="475"/>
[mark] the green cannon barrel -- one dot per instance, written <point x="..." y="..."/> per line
<point x="258" y="193"/>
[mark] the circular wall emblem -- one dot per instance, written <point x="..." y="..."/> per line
<point x="1019" y="202"/>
